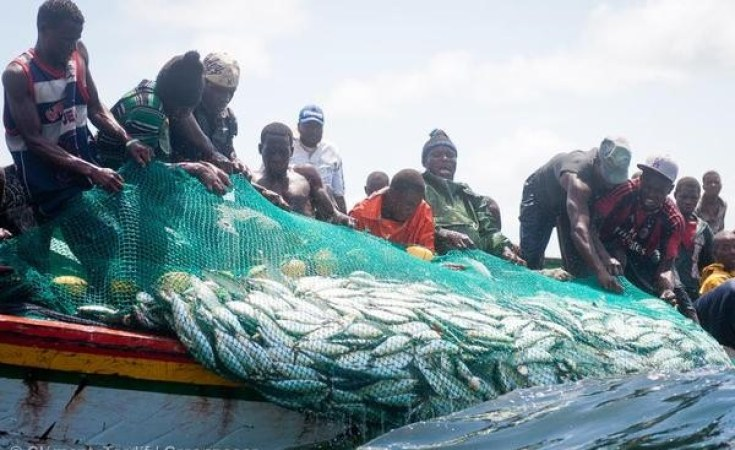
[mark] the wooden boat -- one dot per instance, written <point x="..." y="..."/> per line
<point x="83" y="385"/>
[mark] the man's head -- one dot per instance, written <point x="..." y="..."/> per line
<point x="439" y="155"/>
<point x="311" y="125"/>
<point x="221" y="77"/>
<point x="658" y="174"/>
<point x="687" y="194"/>
<point x="376" y="181"/>
<point x="405" y="193"/>
<point x="711" y="183"/>
<point x="613" y="160"/>
<point x="724" y="249"/>
<point x="60" y="24"/>
<point x="180" y="83"/>
<point x="276" y="146"/>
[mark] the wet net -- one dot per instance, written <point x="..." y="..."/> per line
<point x="322" y="318"/>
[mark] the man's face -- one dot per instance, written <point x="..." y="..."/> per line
<point x="215" y="98"/>
<point x="442" y="162"/>
<point x="686" y="199"/>
<point x="654" y="189"/>
<point x="310" y="133"/>
<point x="711" y="184"/>
<point x="404" y="204"/>
<point x="276" y="153"/>
<point x="60" y="40"/>
<point x="725" y="251"/>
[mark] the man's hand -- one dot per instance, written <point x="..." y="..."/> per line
<point x="272" y="197"/>
<point x="609" y="282"/>
<point x="213" y="178"/>
<point x="107" y="179"/>
<point x="613" y="267"/>
<point x="456" y="239"/>
<point x="5" y="234"/>
<point x="240" y="167"/>
<point x="669" y="297"/>
<point x="512" y="256"/>
<point x="557" y="274"/>
<point x="141" y="153"/>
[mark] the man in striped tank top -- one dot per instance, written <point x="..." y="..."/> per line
<point x="49" y="95"/>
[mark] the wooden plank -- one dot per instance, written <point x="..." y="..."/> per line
<point x="95" y="415"/>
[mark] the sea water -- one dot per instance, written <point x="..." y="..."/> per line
<point x="654" y="411"/>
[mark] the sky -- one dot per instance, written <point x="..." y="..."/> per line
<point x="512" y="83"/>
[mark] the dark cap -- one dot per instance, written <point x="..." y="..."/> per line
<point x="437" y="138"/>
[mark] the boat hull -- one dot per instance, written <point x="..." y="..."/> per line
<point x="81" y="385"/>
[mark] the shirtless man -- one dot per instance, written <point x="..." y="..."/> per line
<point x="300" y="186"/>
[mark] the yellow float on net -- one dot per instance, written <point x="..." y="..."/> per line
<point x="70" y="285"/>
<point x="325" y="263"/>
<point x="420" y="252"/>
<point x="175" y="281"/>
<point x="294" y="268"/>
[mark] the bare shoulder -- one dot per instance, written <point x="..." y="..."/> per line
<point x="15" y="79"/>
<point x="574" y="184"/>
<point x="295" y="176"/>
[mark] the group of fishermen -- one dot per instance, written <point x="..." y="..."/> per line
<point x="608" y="225"/>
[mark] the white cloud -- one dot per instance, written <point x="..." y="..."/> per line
<point x="242" y="28"/>
<point x="661" y="41"/>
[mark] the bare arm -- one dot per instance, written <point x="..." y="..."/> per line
<point x="341" y="205"/>
<point x="325" y="209"/>
<point x="102" y="118"/>
<point x="577" y="204"/>
<point x="23" y="110"/>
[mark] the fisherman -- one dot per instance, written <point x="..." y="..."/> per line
<point x="213" y="116"/>
<point x="716" y="306"/>
<point x="711" y="207"/>
<point x="49" y="96"/>
<point x="695" y="252"/>
<point x="309" y="148"/>
<point x="560" y="193"/>
<point x="300" y="187"/>
<point x="147" y="111"/>
<point x="462" y="218"/>
<point x="641" y="229"/>
<point x="398" y="212"/>
<point x="376" y="181"/>
<point x="217" y="122"/>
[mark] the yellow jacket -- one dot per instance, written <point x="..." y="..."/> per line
<point x="713" y="276"/>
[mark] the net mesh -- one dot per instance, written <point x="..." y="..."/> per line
<point x="323" y="318"/>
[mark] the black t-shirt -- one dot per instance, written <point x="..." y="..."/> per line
<point x="549" y="192"/>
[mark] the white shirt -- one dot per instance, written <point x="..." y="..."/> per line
<point x="326" y="160"/>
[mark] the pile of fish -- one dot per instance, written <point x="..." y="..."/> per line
<point x="391" y="351"/>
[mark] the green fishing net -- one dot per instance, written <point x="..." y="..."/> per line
<point x="323" y="318"/>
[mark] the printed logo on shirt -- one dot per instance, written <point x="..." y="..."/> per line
<point x="54" y="112"/>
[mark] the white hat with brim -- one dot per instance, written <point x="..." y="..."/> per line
<point x="663" y="165"/>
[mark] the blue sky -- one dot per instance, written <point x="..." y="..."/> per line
<point x="512" y="83"/>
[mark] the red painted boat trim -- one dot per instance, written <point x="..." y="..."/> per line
<point x="89" y="339"/>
